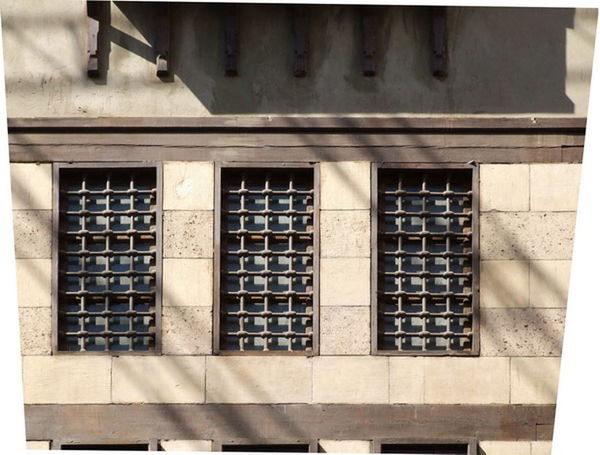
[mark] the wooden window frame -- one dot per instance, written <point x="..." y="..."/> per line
<point x="56" y="168"/>
<point x="474" y="167"/>
<point x="471" y="443"/>
<point x="219" y="166"/>
<point x="217" y="445"/>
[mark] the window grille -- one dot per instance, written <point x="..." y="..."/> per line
<point x="107" y="249"/>
<point x="267" y="299"/>
<point x="425" y="273"/>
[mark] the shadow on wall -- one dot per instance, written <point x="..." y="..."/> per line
<point x="501" y="60"/>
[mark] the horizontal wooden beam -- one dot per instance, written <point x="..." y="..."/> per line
<point x="113" y="423"/>
<point x="344" y="123"/>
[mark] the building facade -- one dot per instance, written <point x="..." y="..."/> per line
<point x="272" y="227"/>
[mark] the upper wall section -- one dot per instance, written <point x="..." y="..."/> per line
<point x="501" y="61"/>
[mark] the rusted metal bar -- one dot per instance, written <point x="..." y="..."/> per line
<point x="368" y="40"/>
<point x="439" y="41"/>
<point x="300" y="41"/>
<point x="231" y="41"/>
<point x="163" y="39"/>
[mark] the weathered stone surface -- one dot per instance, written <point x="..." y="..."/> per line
<point x="187" y="282"/>
<point x="187" y="330"/>
<point x="504" y="284"/>
<point x="345" y="331"/>
<point x="350" y="379"/>
<point x="555" y="187"/>
<point x="31" y="185"/>
<point x="158" y="379"/>
<point x="188" y="185"/>
<point x="33" y="233"/>
<point x="38" y="445"/>
<point x="330" y="446"/>
<point x="549" y="283"/>
<point x="541" y="447"/>
<point x="258" y="379"/>
<point x="34" y="282"/>
<point x="534" y="380"/>
<point x="186" y="446"/>
<point x="36" y="331"/>
<point x="504" y="187"/>
<point x="527" y="235"/>
<point x="521" y="332"/>
<point x="345" y="233"/>
<point x="466" y="380"/>
<point x="505" y="447"/>
<point x="345" y="185"/>
<point x="66" y="379"/>
<point x="345" y="282"/>
<point x="188" y="234"/>
<point x="407" y="380"/>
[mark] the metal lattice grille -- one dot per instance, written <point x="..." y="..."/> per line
<point x="425" y="273"/>
<point x="107" y="260"/>
<point x="267" y="239"/>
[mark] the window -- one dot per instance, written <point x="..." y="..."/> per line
<point x="293" y="448"/>
<point x="426" y="449"/>
<point x="108" y="235"/>
<point x="426" y="268"/>
<point x="266" y="270"/>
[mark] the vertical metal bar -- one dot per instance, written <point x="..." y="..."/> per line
<point x="316" y="299"/>
<point x="400" y="247"/>
<point x="424" y="262"/>
<point x="241" y="322"/>
<point x="374" y="259"/>
<point x="290" y="258"/>
<point x="448" y="260"/>
<point x="107" y="267"/>
<point x="266" y="260"/>
<point x="83" y="340"/>
<point x="218" y="196"/>
<point x="475" y="283"/>
<point x="158" y="260"/>
<point x="55" y="252"/>
<point x="131" y="258"/>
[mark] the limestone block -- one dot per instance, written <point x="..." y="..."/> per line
<point x="504" y="284"/>
<point x="345" y="185"/>
<point x="188" y="234"/>
<point x="187" y="330"/>
<point x="355" y="446"/>
<point x="31" y="185"/>
<point x="36" y="331"/>
<point x="527" y="235"/>
<point x="549" y="283"/>
<point x="521" y="332"/>
<point x="534" y="380"/>
<point x="345" y="233"/>
<point x="554" y="187"/>
<point x="475" y="380"/>
<point x="505" y="447"/>
<point x="33" y="233"/>
<point x="34" y="282"/>
<point x="187" y="282"/>
<point x="66" y="379"/>
<point x="352" y="380"/>
<point x="345" y="282"/>
<point x="345" y="331"/>
<point x="158" y="379"/>
<point x="188" y="185"/>
<point x="541" y="447"/>
<point x="504" y="187"/>
<point x="407" y="379"/>
<point x="258" y="379"/>
<point x="38" y="445"/>
<point x="186" y="445"/>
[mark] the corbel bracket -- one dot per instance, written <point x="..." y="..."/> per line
<point x="231" y="42"/>
<point x="439" y="55"/>
<point x="367" y="20"/>
<point x="94" y="15"/>
<point x="162" y="44"/>
<point x="300" y="41"/>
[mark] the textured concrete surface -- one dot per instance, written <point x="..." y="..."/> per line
<point x="505" y="447"/>
<point x="345" y="282"/>
<point x="33" y="233"/>
<point x="345" y="185"/>
<point x="345" y="331"/>
<point x="345" y="233"/>
<point x="31" y="185"/>
<point x="256" y="379"/>
<point x="34" y="282"/>
<point x="549" y="283"/>
<point x="521" y="332"/>
<point x="158" y="379"/>
<point x="407" y="380"/>
<point x="350" y="380"/>
<point x="66" y="379"/>
<point x="554" y="187"/>
<point x="188" y="185"/>
<point x="504" y="187"/>
<point x="38" y="445"/>
<point x="187" y="330"/>
<point x="534" y="380"/>
<point x="188" y="234"/>
<point x="330" y="446"/>
<point x="187" y="282"/>
<point x="36" y="331"/>
<point x="504" y="284"/>
<point x="186" y="446"/>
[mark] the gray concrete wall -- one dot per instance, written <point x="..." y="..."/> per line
<point x="501" y="61"/>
